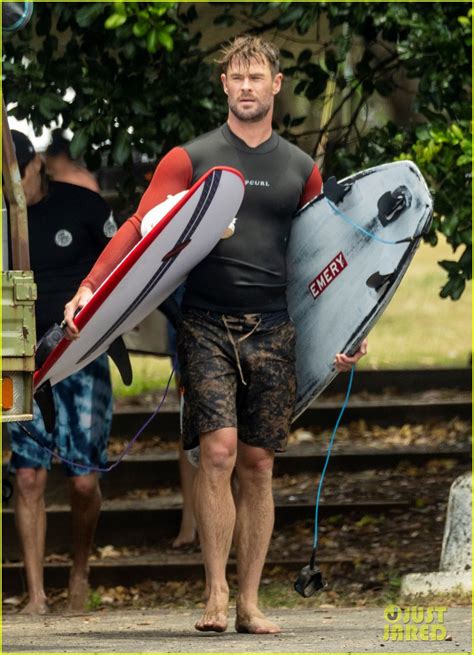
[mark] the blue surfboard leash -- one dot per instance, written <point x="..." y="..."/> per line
<point x="358" y="227"/>
<point x="373" y="236"/>
<point x="124" y="452"/>
<point x="326" y="461"/>
<point x="310" y="578"/>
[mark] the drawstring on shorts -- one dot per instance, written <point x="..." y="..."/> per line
<point x="249" y="318"/>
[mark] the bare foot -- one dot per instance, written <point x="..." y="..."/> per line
<point x="214" y="618"/>
<point x="78" y="592"/>
<point x="254" y="622"/>
<point x="36" y="608"/>
<point x="186" y="537"/>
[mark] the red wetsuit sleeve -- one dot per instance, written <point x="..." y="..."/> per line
<point x="172" y="175"/>
<point x="312" y="188"/>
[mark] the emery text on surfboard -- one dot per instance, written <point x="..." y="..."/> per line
<point x="327" y="275"/>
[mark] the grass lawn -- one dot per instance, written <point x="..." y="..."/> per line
<point x="418" y="329"/>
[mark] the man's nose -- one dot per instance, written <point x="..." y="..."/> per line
<point x="246" y="84"/>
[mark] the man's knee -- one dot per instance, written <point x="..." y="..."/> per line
<point x="31" y="483"/>
<point x="256" y="463"/>
<point x="85" y="487"/>
<point x="218" y="452"/>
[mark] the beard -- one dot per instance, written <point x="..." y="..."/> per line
<point x="252" y="115"/>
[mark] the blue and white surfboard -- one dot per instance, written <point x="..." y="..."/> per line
<point x="348" y="251"/>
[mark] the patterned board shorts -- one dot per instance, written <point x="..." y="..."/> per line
<point x="237" y="372"/>
<point x="83" y="418"/>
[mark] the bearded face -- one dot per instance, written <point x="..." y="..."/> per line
<point x="250" y="89"/>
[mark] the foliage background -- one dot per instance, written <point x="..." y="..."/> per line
<point x="135" y="79"/>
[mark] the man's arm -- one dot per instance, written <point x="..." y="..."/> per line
<point x="172" y="175"/>
<point x="312" y="187"/>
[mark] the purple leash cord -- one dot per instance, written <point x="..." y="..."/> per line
<point x="124" y="452"/>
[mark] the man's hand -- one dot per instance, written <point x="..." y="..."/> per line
<point x="82" y="297"/>
<point x="345" y="363"/>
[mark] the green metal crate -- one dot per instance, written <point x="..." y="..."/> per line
<point x="18" y="341"/>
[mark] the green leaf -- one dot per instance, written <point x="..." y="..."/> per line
<point x="463" y="160"/>
<point x="140" y="29"/>
<point x="89" y="13"/>
<point x="450" y="266"/>
<point x="456" y="130"/>
<point x="206" y="103"/>
<point x="464" y="21"/>
<point x="331" y="61"/>
<point x="50" y="105"/>
<point x="166" y="40"/>
<point x="121" y="148"/>
<point x="224" y="19"/>
<point x="140" y="108"/>
<point x="152" y="40"/>
<point x="120" y="8"/>
<point x="79" y="142"/>
<point x="300" y="87"/>
<point x="289" y="17"/>
<point x="304" y="56"/>
<point x="295" y="122"/>
<point x="114" y="21"/>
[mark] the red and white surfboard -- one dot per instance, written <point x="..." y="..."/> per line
<point x="151" y="271"/>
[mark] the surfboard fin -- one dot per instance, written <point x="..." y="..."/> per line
<point x="119" y="355"/>
<point x="392" y="203"/>
<point x="377" y="280"/>
<point x="45" y="401"/>
<point x="334" y="191"/>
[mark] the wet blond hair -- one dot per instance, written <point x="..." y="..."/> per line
<point x="247" y="48"/>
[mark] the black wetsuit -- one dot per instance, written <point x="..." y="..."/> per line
<point x="247" y="272"/>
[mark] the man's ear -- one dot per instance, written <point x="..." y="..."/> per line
<point x="277" y="81"/>
<point x="224" y="82"/>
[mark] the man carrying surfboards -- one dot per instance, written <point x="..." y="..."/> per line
<point x="236" y="341"/>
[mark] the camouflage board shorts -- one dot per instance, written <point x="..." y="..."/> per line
<point x="83" y="418"/>
<point x="237" y="371"/>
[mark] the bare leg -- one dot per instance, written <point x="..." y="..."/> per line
<point x="187" y="476"/>
<point x="86" y="499"/>
<point x="253" y="530"/>
<point x="215" y="516"/>
<point x="30" y="520"/>
<point x="187" y="531"/>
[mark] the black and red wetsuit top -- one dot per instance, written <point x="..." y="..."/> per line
<point x="247" y="272"/>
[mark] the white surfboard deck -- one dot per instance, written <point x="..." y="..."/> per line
<point x="150" y="272"/>
<point x="330" y="261"/>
